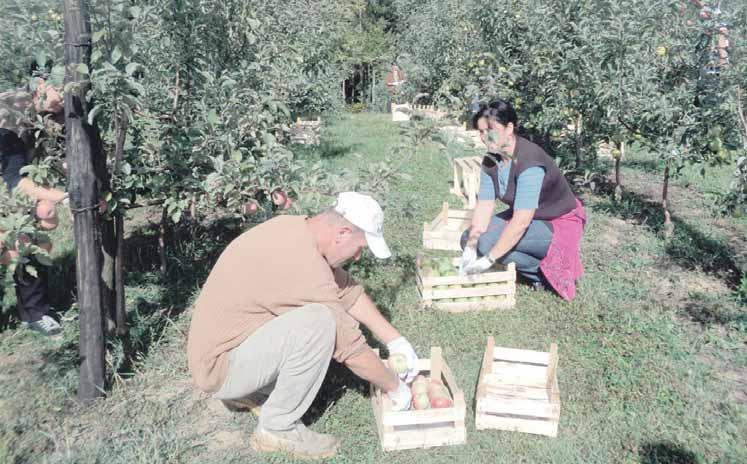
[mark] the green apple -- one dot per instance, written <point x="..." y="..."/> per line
<point x="397" y="362"/>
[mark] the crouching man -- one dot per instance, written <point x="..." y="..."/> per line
<point x="278" y="306"/>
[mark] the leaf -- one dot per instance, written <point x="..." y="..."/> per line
<point x="212" y="117"/>
<point x="131" y="68"/>
<point x="176" y="216"/>
<point x="98" y="35"/>
<point x="81" y="68"/>
<point x="116" y="55"/>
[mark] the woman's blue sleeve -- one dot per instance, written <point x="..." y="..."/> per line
<point x="528" y="187"/>
<point x="487" y="188"/>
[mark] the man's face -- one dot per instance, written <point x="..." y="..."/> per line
<point x="348" y="244"/>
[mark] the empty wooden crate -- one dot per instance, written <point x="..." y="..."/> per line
<point x="425" y="428"/>
<point x="457" y="294"/>
<point x="518" y="391"/>
<point x="466" y="183"/>
<point x="445" y="231"/>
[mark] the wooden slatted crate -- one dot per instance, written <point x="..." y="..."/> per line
<point x="478" y="292"/>
<point x="466" y="183"/>
<point x="445" y="232"/>
<point x="518" y="391"/>
<point x="425" y="428"/>
<point x="401" y="112"/>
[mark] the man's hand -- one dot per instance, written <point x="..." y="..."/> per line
<point x="469" y="256"/>
<point x="479" y="266"/>
<point x="401" y="397"/>
<point x="402" y="346"/>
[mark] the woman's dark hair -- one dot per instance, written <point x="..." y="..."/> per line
<point x="497" y="110"/>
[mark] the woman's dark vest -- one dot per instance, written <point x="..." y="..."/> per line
<point x="556" y="197"/>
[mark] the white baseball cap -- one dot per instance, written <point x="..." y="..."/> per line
<point x="365" y="213"/>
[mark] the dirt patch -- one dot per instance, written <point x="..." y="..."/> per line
<point x="680" y="288"/>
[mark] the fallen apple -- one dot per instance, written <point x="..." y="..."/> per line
<point x="398" y="363"/>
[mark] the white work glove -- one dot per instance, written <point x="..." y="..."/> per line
<point x="481" y="265"/>
<point x="401" y="397"/>
<point x="402" y="346"/>
<point x="469" y="256"/>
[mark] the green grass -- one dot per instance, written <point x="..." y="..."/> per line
<point x="642" y="379"/>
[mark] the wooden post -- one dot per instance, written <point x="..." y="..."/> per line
<point x="82" y="148"/>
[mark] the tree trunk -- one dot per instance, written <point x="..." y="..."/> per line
<point x="618" y="183"/>
<point x="82" y="147"/>
<point x="162" y="241"/>
<point x="742" y="118"/>
<point x="579" y="159"/>
<point x="119" y="277"/>
<point x="668" y="226"/>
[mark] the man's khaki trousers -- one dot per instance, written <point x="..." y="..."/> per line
<point x="289" y="355"/>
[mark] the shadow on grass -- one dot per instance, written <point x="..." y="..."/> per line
<point x="191" y="251"/>
<point x="688" y="247"/>
<point x="708" y="311"/>
<point x="666" y="453"/>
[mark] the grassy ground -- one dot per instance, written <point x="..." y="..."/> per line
<point x="653" y="365"/>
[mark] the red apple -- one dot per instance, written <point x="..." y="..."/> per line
<point x="249" y="208"/>
<point x="441" y="402"/>
<point x="279" y="197"/>
<point x="288" y="203"/>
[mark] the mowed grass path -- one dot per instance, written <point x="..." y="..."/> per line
<point x="640" y="381"/>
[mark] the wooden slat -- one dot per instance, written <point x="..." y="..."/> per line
<point x="516" y="377"/>
<point x="403" y="439"/>
<point x="495" y="404"/>
<point x="503" y="288"/>
<point x="521" y="356"/>
<point x="484" y="278"/>
<point x="552" y="366"/>
<point x="436" y="362"/>
<point x="517" y="391"/>
<point x="537" y="427"/>
<point x="422" y="417"/>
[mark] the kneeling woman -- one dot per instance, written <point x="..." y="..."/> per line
<point x="542" y="228"/>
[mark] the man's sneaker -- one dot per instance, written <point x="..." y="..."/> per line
<point x="299" y="442"/>
<point x="45" y="326"/>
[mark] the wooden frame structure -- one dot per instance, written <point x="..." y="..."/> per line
<point x="480" y="292"/>
<point x="466" y="183"/>
<point x="426" y="428"/>
<point x="445" y="231"/>
<point x="518" y="390"/>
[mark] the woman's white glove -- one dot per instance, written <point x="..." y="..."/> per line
<point x="469" y="256"/>
<point x="401" y="397"/>
<point x="402" y="346"/>
<point x="481" y="265"/>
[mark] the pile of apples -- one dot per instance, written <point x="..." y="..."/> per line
<point x="427" y="393"/>
<point x="430" y="393"/>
